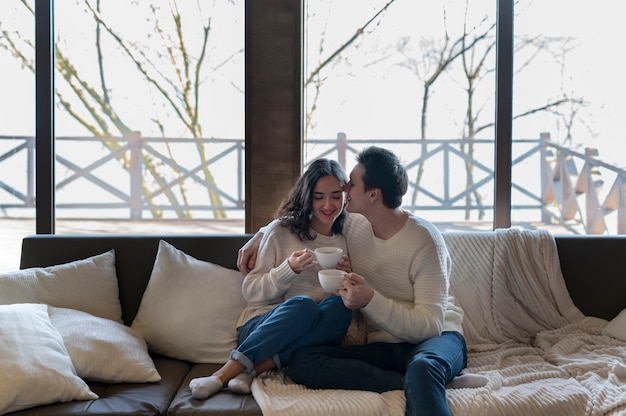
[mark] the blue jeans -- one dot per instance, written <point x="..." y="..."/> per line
<point x="422" y="370"/>
<point x="296" y="323"/>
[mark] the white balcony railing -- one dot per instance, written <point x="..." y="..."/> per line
<point x="204" y="178"/>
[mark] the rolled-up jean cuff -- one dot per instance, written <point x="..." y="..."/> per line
<point x="245" y="361"/>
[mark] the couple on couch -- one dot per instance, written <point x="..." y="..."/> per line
<point x="397" y="276"/>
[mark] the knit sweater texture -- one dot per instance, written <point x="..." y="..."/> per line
<point x="410" y="276"/>
<point x="272" y="280"/>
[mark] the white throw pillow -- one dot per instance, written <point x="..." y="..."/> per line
<point x="103" y="350"/>
<point x="35" y="368"/>
<point x="616" y="328"/>
<point x="190" y="308"/>
<point x="88" y="285"/>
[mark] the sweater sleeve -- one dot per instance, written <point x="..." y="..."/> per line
<point x="272" y="276"/>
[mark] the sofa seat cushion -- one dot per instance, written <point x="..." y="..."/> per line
<point x="124" y="399"/>
<point x="223" y="403"/>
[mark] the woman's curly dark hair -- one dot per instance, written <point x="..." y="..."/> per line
<point x="297" y="208"/>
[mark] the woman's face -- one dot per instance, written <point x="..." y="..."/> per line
<point x="328" y="201"/>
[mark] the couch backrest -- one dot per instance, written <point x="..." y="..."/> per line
<point x="594" y="267"/>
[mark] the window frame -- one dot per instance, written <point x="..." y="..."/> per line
<point x="273" y="109"/>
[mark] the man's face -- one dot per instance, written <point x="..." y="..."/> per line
<point x="355" y="190"/>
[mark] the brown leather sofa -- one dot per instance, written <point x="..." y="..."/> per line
<point x="134" y="258"/>
<point x="593" y="266"/>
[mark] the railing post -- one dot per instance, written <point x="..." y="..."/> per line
<point x="30" y="168"/>
<point x="342" y="145"/>
<point x="595" y="223"/>
<point x="134" y="143"/>
<point x="544" y="138"/>
<point x="621" y="204"/>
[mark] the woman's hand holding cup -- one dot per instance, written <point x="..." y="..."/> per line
<point x="301" y="260"/>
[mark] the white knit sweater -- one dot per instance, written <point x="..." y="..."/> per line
<point x="410" y="274"/>
<point x="272" y="280"/>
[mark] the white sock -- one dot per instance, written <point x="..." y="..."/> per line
<point x="203" y="387"/>
<point x="467" y="381"/>
<point x="240" y="384"/>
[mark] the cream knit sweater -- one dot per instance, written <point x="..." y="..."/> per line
<point x="410" y="274"/>
<point x="272" y="280"/>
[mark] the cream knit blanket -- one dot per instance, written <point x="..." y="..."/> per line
<point x="541" y="355"/>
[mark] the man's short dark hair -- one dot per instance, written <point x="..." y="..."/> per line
<point x="384" y="171"/>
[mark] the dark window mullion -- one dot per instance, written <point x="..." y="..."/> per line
<point x="504" y="114"/>
<point x="44" y="116"/>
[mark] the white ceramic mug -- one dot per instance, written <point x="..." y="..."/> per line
<point x="328" y="257"/>
<point x="331" y="280"/>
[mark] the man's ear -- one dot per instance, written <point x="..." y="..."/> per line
<point x="375" y="194"/>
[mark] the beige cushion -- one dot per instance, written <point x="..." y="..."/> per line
<point x="88" y="285"/>
<point x="34" y="365"/>
<point x="190" y="308"/>
<point x="103" y="350"/>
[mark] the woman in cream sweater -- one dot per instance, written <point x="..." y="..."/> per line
<point x="287" y="308"/>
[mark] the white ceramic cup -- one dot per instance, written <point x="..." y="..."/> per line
<point x="328" y="257"/>
<point x="331" y="280"/>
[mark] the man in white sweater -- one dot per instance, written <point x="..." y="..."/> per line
<point x="400" y="282"/>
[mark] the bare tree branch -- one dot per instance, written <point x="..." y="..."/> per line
<point x="354" y="37"/>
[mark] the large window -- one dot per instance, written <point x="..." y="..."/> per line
<point x="149" y="112"/>
<point x="420" y="78"/>
<point x="148" y="117"/>
<point x="149" y="120"/>
<point x="568" y="93"/>
<point x="17" y="130"/>
<point x="415" y="77"/>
